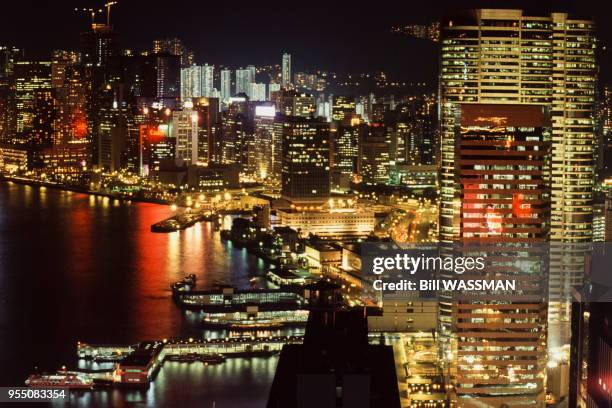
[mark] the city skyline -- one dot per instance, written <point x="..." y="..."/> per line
<point x="257" y="179"/>
<point x="217" y="33"/>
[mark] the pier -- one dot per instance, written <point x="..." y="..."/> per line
<point x="229" y="299"/>
<point x="137" y="365"/>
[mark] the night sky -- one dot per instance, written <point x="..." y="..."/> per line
<point x="343" y="36"/>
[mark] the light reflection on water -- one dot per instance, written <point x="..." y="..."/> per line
<point x="236" y="383"/>
<point x="75" y="267"/>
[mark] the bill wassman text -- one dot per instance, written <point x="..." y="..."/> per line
<point x="447" y="284"/>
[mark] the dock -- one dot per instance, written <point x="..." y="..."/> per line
<point x="140" y="363"/>
<point x="229" y="299"/>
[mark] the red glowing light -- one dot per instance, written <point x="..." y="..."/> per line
<point x="79" y="125"/>
<point x="519" y="208"/>
<point x="151" y="134"/>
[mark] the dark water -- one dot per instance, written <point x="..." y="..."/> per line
<point x="77" y="267"/>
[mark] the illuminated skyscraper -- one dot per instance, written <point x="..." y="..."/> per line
<point x="71" y="92"/>
<point x="504" y="56"/>
<point x="305" y="169"/>
<point x="605" y="117"/>
<point x="209" y="142"/>
<point x="263" y="146"/>
<point x="374" y="152"/>
<point x="184" y="131"/>
<point x="168" y="79"/>
<point x="508" y="58"/>
<point x="502" y="153"/>
<point x="34" y="99"/>
<point x="286" y="71"/>
<point x="8" y="55"/>
<point x="345" y="153"/>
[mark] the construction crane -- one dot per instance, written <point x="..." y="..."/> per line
<point x="108" y="6"/>
<point x="91" y="11"/>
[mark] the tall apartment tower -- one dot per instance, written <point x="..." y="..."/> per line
<point x="226" y="84"/>
<point x="510" y="60"/>
<point x="286" y="70"/>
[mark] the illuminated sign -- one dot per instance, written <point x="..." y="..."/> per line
<point x="267" y="111"/>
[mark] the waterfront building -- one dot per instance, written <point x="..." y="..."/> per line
<point x="14" y="158"/>
<point x="69" y="159"/>
<point x="333" y="224"/>
<point x="34" y="102"/>
<point x="213" y="177"/>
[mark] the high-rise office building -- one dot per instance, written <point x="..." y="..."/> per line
<point x="263" y="147"/>
<point x="343" y="108"/>
<point x="235" y="133"/>
<point x="184" y="131"/>
<point x="226" y="85"/>
<point x="503" y="203"/>
<point x="293" y="103"/>
<point x="98" y="45"/>
<point x="286" y="71"/>
<point x="209" y="143"/>
<point x="34" y="101"/>
<point x="504" y="56"/>
<point x="8" y="56"/>
<point x="605" y="128"/>
<point x="345" y="153"/>
<point x="374" y="150"/>
<point x="71" y="96"/>
<point x="508" y="58"/>
<point x="305" y="160"/>
<point x="168" y="79"/>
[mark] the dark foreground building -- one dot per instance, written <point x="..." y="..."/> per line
<point x="335" y="366"/>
